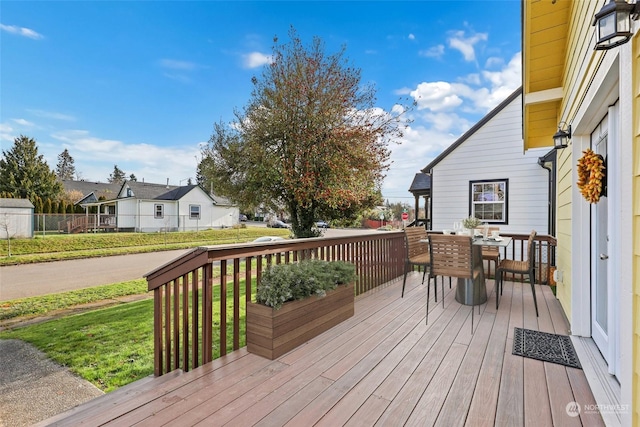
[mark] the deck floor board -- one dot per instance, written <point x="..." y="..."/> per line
<point x="384" y="366"/>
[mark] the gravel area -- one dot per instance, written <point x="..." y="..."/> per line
<point x="33" y="388"/>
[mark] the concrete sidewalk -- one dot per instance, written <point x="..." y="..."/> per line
<point x="33" y="388"/>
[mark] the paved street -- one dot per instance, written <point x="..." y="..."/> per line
<point x="21" y="281"/>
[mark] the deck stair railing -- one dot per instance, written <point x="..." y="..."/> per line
<point x="200" y="297"/>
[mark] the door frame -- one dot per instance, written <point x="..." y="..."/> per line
<point x="597" y="105"/>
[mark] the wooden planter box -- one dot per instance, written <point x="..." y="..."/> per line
<point x="272" y="333"/>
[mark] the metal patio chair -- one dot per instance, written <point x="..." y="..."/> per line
<point x="519" y="267"/>
<point x="417" y="252"/>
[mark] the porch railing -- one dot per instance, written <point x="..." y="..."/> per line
<point x="192" y="322"/>
<point x="189" y="329"/>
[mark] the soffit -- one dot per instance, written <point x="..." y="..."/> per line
<point x="545" y="28"/>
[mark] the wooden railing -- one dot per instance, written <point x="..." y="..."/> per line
<point x="80" y="223"/>
<point x="189" y="330"/>
<point x="192" y="322"/>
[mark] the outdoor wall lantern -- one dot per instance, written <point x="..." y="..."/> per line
<point x="561" y="137"/>
<point x="613" y="23"/>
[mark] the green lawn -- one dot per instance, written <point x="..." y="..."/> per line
<point x="74" y="246"/>
<point x="109" y="347"/>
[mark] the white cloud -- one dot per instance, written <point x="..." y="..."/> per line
<point x="178" y="77"/>
<point x="433" y="52"/>
<point x="256" y="59"/>
<point x="420" y="145"/>
<point x="95" y="157"/>
<point x="494" y="62"/>
<point x="466" y="45"/>
<point x="445" y="110"/>
<point x="52" y="115"/>
<point x="411" y="37"/>
<point x="22" y="122"/>
<point x="177" y="65"/>
<point x="436" y="96"/>
<point x="21" y="31"/>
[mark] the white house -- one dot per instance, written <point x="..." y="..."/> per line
<point x="486" y="174"/>
<point x="148" y="207"/>
<point x="16" y="218"/>
<point x="154" y="207"/>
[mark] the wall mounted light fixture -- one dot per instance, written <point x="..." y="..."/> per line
<point x="613" y="23"/>
<point x="562" y="137"/>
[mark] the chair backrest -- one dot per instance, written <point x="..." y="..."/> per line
<point x="531" y="247"/>
<point x="413" y="237"/>
<point x="451" y="256"/>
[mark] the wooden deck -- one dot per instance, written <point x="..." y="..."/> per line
<point x="384" y="366"/>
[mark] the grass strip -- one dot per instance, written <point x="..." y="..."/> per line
<point x="113" y="346"/>
<point x="74" y="246"/>
<point x="41" y="305"/>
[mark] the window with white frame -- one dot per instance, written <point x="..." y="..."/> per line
<point x="488" y="200"/>
<point x="158" y="211"/>
<point x="194" y="211"/>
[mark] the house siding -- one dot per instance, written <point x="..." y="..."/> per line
<point x="582" y="62"/>
<point x="494" y="152"/>
<point x="127" y="213"/>
<point x="635" y="274"/>
<point x="18" y="222"/>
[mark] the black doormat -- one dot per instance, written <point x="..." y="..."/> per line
<point x="546" y="347"/>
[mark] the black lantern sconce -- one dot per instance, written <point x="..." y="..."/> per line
<point x="613" y="23"/>
<point x="562" y="137"/>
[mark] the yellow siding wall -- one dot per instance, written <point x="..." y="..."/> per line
<point x="581" y="65"/>
<point x="635" y="348"/>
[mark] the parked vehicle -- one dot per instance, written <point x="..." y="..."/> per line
<point x="243" y="218"/>
<point x="268" y="239"/>
<point x="278" y="224"/>
<point x="322" y="224"/>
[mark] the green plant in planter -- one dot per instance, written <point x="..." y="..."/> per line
<point x="287" y="282"/>
<point x="471" y="222"/>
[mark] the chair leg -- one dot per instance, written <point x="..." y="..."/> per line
<point x="533" y="289"/>
<point x="426" y="319"/>
<point x="471" y="320"/>
<point x="442" y="284"/>
<point x="498" y="281"/>
<point x="435" y="287"/>
<point x="424" y="274"/>
<point x="404" y="282"/>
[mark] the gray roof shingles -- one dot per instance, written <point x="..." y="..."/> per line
<point x="15" y="203"/>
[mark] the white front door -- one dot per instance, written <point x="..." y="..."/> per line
<point x="599" y="256"/>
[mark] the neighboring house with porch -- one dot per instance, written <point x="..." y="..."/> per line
<point x="16" y="218"/>
<point x="594" y="97"/>
<point x="486" y="174"/>
<point x="149" y="207"/>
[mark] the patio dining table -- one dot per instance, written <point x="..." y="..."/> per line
<point x="475" y="292"/>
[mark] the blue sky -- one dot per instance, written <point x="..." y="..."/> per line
<point x="140" y="84"/>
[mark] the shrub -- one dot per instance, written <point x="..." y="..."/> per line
<point x="287" y="282"/>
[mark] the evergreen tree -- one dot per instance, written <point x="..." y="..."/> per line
<point x="133" y="178"/>
<point x="117" y="176"/>
<point x="65" y="168"/>
<point x="25" y="174"/>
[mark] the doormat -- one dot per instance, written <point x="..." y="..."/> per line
<point x="546" y="347"/>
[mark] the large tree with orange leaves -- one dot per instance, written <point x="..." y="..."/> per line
<point x="310" y="141"/>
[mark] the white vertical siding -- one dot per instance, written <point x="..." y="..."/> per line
<point x="494" y="152"/>
<point x="18" y="223"/>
